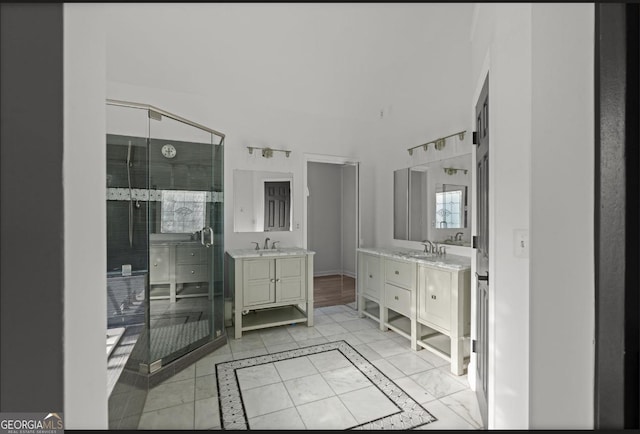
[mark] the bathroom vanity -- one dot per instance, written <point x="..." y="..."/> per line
<point x="175" y="263"/>
<point x="423" y="297"/>
<point x="271" y="287"/>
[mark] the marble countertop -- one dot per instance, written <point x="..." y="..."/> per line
<point x="280" y="251"/>
<point x="449" y="261"/>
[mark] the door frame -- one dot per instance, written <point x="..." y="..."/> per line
<point x="331" y="159"/>
<point x="617" y="203"/>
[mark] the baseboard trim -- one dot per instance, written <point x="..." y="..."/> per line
<point x="334" y="273"/>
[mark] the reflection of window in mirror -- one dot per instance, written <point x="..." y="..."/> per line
<point x="449" y="206"/>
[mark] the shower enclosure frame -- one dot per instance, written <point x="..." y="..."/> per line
<point x="215" y="338"/>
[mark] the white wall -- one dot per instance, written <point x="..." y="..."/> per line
<point x="85" y="246"/>
<point x="562" y="292"/>
<point x="325" y="217"/>
<point x="540" y="65"/>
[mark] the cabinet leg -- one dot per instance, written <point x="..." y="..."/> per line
<point x="309" y="313"/>
<point x="238" y="324"/>
<point x="384" y="317"/>
<point x="172" y="292"/>
<point x="457" y="356"/>
<point x="360" y="306"/>
<point x="414" y="335"/>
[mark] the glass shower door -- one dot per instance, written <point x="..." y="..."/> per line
<point x="185" y="238"/>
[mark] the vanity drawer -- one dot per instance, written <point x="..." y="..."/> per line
<point x="398" y="299"/>
<point x="400" y="273"/>
<point x="190" y="254"/>
<point x="191" y="273"/>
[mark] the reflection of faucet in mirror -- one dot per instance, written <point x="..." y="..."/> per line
<point x="257" y="245"/>
<point x="273" y="244"/>
<point x="459" y="236"/>
<point x="266" y="243"/>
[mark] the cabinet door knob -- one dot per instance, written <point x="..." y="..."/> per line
<point x="433" y="296"/>
<point x="277" y="280"/>
<point x="193" y="254"/>
<point x="396" y="297"/>
<point x="370" y="276"/>
<point x="397" y="272"/>
<point x="272" y="280"/>
<point x="155" y="265"/>
<point x="193" y="272"/>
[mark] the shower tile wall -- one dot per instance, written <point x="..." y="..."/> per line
<point x="119" y="252"/>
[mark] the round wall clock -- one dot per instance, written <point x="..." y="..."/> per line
<point x="169" y="151"/>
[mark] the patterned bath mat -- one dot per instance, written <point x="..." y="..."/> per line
<point x="405" y="412"/>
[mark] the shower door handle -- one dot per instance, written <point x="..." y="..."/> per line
<point x="210" y="242"/>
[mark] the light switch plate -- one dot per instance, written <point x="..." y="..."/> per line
<point x="521" y="243"/>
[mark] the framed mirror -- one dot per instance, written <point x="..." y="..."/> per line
<point x="432" y="202"/>
<point x="262" y="201"/>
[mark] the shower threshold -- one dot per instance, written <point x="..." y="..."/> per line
<point x="113" y="337"/>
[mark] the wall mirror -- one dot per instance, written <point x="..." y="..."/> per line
<point x="432" y="201"/>
<point x="262" y="201"/>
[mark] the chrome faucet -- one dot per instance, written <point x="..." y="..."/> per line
<point x="459" y="236"/>
<point x="266" y="243"/>
<point x="428" y="246"/>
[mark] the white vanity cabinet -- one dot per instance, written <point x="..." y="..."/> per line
<point x="445" y="312"/>
<point x="400" y="298"/>
<point x="425" y="299"/>
<point x="271" y="288"/>
<point x="369" y="285"/>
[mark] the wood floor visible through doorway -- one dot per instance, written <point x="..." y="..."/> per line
<point x="333" y="290"/>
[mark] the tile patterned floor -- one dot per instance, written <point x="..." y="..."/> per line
<point x="295" y="393"/>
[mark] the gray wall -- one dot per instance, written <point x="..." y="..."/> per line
<point x="332" y="217"/>
<point x="324" y="216"/>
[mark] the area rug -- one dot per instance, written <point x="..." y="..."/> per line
<point x="410" y="414"/>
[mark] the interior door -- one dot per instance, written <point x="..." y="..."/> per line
<point x="482" y="245"/>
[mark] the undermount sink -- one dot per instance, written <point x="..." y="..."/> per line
<point x="456" y="242"/>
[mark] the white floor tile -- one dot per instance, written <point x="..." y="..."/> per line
<point x="447" y="418"/>
<point x="170" y="395"/>
<point x="276" y="348"/>
<point x="308" y="389"/>
<point x="465" y="404"/>
<point x="266" y="399"/>
<point x="355" y="325"/>
<point x="409" y="363"/>
<point x="178" y="417"/>
<point x="437" y="382"/>
<point x="387" y="369"/>
<point x="256" y="376"/>
<point x="295" y="368"/>
<point x="414" y="390"/>
<point x="388" y="347"/>
<point x="329" y="360"/>
<point x="368" y="404"/>
<point x="330" y="329"/>
<point x="207" y="414"/>
<point x="302" y="333"/>
<point x="346" y="379"/>
<point x="206" y="387"/>
<point x="329" y="413"/>
<point x="287" y="419"/>
<point x="207" y="365"/>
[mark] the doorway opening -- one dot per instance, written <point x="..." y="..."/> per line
<point x="332" y="223"/>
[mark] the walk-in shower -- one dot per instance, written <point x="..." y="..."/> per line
<point x="165" y="251"/>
